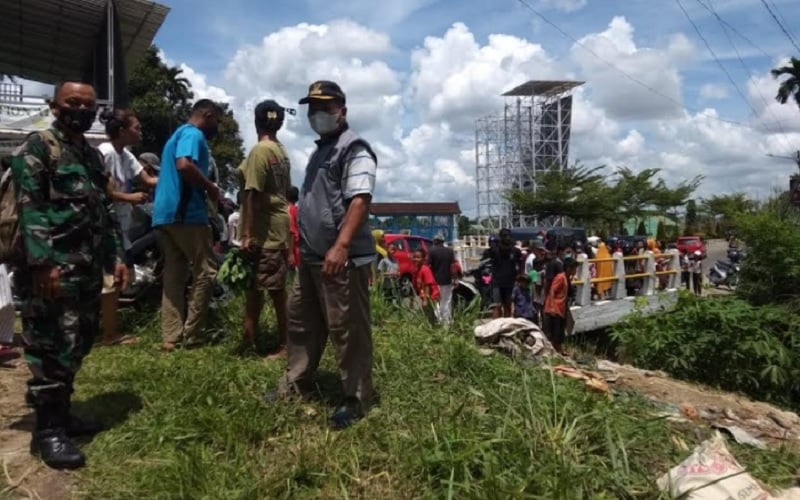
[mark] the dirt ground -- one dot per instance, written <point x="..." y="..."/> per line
<point x="23" y="477"/>
<point x="681" y="401"/>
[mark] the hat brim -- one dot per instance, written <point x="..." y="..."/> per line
<point x="307" y="99"/>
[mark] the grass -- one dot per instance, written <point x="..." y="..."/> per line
<point x="451" y="424"/>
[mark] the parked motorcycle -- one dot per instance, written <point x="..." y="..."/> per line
<point x="735" y="255"/>
<point x="148" y="263"/>
<point x="724" y="274"/>
<point x="481" y="278"/>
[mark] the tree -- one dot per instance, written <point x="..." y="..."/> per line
<point x="661" y="231"/>
<point x="577" y="192"/>
<point x="691" y="218"/>
<point x="790" y="87"/>
<point x="641" y="230"/>
<point x="227" y="149"/>
<point x="162" y="99"/>
<point x="725" y="209"/>
<point x="464" y="226"/>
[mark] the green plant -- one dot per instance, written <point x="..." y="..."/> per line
<point x="723" y="342"/>
<point x="236" y="272"/>
<point x="771" y="268"/>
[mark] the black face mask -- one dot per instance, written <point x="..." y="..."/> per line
<point x="211" y="132"/>
<point x="77" y="120"/>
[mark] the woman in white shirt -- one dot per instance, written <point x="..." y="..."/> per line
<point x="123" y="130"/>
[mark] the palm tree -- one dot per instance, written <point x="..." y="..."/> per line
<point x="790" y="87"/>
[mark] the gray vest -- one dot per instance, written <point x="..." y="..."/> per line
<point x="321" y="209"/>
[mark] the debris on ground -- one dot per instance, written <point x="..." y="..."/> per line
<point x="745" y="421"/>
<point x="711" y="473"/>
<point x="516" y="337"/>
<point x="591" y="380"/>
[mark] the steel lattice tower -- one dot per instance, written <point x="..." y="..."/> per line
<point x="531" y="135"/>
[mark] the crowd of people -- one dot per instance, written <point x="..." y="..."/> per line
<point x="74" y="206"/>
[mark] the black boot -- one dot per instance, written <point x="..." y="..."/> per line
<point x="76" y="426"/>
<point x="49" y="440"/>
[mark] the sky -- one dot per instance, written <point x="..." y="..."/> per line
<point x="680" y="85"/>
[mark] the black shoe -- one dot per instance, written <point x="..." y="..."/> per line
<point x="77" y="426"/>
<point x="346" y="415"/>
<point x="56" y="450"/>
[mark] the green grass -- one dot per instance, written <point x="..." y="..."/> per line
<point x="451" y="424"/>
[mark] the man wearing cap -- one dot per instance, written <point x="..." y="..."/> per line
<point x="264" y="220"/>
<point x="441" y="262"/>
<point x="330" y="296"/>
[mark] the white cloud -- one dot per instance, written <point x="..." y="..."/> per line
<point x="620" y="95"/>
<point x="421" y="123"/>
<point x="713" y="91"/>
<point x="563" y="5"/>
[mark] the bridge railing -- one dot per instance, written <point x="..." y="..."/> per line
<point x="661" y="271"/>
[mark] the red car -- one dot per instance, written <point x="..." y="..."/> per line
<point x="691" y="244"/>
<point x="406" y="244"/>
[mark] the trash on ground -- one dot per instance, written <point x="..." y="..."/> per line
<point x="741" y="436"/>
<point x="516" y="337"/>
<point x="711" y="473"/>
<point x="591" y="380"/>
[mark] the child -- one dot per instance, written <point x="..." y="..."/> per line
<point x="697" y="273"/>
<point x="425" y="285"/>
<point x="555" y="306"/>
<point x="521" y="303"/>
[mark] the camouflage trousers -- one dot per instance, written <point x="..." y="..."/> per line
<point x="58" y="334"/>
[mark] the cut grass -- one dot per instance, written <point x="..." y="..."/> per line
<point x="451" y="423"/>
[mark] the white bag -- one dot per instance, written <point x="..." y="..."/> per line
<point x="7" y="313"/>
<point x="711" y="473"/>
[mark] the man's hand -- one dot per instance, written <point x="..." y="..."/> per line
<point x="290" y="259"/>
<point x="47" y="282"/>
<point x="138" y="198"/>
<point x="335" y="261"/>
<point x="121" y="277"/>
<point x="214" y="192"/>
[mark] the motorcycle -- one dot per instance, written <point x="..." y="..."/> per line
<point x="724" y="274"/>
<point x="145" y="255"/>
<point x="735" y="255"/>
<point x="481" y="285"/>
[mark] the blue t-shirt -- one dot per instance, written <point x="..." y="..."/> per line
<point x="177" y="201"/>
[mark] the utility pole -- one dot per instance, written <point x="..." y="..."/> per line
<point x="794" y="180"/>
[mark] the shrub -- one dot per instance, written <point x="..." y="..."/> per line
<point x="771" y="268"/>
<point x="724" y="342"/>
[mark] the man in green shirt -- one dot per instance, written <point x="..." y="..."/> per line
<point x="264" y="220"/>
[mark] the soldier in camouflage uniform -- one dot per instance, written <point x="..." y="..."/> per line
<point x="70" y="237"/>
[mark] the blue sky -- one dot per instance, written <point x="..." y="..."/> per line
<point x="217" y="32"/>
<point x="422" y="72"/>
<point x="419" y="73"/>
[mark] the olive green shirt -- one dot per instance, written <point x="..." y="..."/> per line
<point x="266" y="170"/>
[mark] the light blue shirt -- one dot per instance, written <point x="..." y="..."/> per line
<point x="177" y="201"/>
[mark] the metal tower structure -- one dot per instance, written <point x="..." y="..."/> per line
<point x="531" y="135"/>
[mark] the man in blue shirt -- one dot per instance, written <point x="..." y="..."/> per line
<point x="180" y="216"/>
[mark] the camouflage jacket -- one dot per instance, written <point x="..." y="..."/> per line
<point x="66" y="217"/>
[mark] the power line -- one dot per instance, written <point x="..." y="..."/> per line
<point x="619" y="70"/>
<point x="780" y="24"/>
<point x="710" y="8"/>
<point x="783" y="19"/>
<point x="714" y="55"/>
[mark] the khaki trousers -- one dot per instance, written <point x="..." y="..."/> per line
<point x="186" y="245"/>
<point x="338" y="308"/>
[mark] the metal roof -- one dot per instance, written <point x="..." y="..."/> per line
<point x="52" y="40"/>
<point x="543" y="87"/>
<point x="414" y="208"/>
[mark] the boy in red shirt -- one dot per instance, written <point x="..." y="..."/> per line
<point x="425" y="285"/>
<point x="555" y="305"/>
